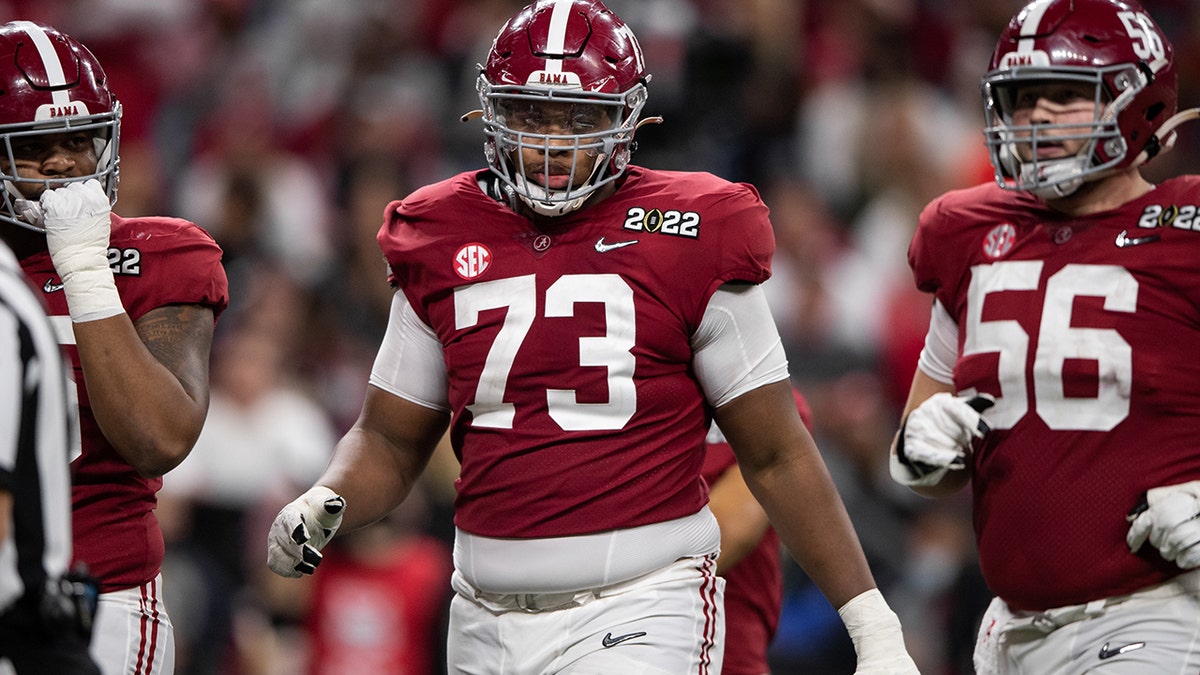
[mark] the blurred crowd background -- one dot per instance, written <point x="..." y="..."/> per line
<point x="283" y="127"/>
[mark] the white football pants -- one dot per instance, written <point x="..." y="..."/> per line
<point x="669" y="622"/>
<point x="1151" y="631"/>
<point x="133" y="634"/>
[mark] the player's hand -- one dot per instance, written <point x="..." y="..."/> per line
<point x="76" y="219"/>
<point x="30" y="211"/>
<point x="936" y="438"/>
<point x="302" y="529"/>
<point x="878" y="639"/>
<point x="1170" y="520"/>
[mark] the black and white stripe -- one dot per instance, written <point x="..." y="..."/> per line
<point x="38" y="435"/>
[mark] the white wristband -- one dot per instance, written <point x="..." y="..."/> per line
<point x="91" y="294"/>
<point x="77" y="220"/>
<point x="875" y="630"/>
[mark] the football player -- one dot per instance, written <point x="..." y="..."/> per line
<point x="1058" y="374"/>
<point x="133" y="302"/>
<point x="577" y="322"/>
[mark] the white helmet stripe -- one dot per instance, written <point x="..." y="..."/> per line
<point x="1033" y="18"/>
<point x="558" y="33"/>
<point x="50" y="61"/>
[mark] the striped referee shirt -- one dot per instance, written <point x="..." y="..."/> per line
<point x="38" y="437"/>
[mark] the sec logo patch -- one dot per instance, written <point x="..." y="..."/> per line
<point x="472" y="260"/>
<point x="999" y="240"/>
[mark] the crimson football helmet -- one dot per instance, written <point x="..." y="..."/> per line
<point x="51" y="84"/>
<point x="1112" y="46"/>
<point x="568" y="66"/>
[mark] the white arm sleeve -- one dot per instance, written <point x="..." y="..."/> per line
<point x="737" y="346"/>
<point x="409" y="363"/>
<point x="941" y="345"/>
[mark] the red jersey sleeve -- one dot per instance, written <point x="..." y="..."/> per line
<point x="169" y="261"/>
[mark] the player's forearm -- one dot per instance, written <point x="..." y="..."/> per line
<point x="783" y="468"/>
<point x="807" y="512"/>
<point x="142" y="407"/>
<point x="375" y="472"/>
<point x="365" y="471"/>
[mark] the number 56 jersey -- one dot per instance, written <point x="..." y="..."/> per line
<point x="574" y="405"/>
<point x="1086" y="330"/>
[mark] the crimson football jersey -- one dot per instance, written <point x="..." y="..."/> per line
<point x="575" y="409"/>
<point x="1085" y="330"/>
<point x="155" y="262"/>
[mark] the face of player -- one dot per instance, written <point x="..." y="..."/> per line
<point x="49" y="156"/>
<point x="566" y="156"/>
<point x="1063" y="111"/>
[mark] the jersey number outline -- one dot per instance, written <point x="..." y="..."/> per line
<point x="613" y="350"/>
<point x="1057" y="341"/>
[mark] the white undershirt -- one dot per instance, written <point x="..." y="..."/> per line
<point x="736" y="348"/>
<point x="941" y="346"/>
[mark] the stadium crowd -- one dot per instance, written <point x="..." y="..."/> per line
<point x="283" y="127"/>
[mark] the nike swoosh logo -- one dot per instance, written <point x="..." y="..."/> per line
<point x="1124" y="240"/>
<point x="610" y="641"/>
<point x="602" y="247"/>
<point x="50" y="286"/>
<point x="1106" y="653"/>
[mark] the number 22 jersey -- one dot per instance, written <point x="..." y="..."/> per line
<point x="155" y="262"/>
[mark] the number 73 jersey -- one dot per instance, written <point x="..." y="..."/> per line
<point x="567" y="347"/>
<point x="1087" y="331"/>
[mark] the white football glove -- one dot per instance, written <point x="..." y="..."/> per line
<point x="302" y="529"/>
<point x="76" y="219"/>
<point x="936" y="437"/>
<point x="1170" y="520"/>
<point x="878" y="639"/>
